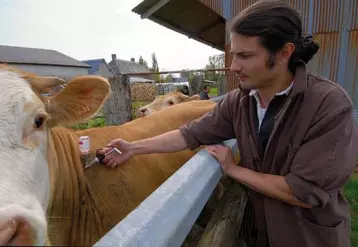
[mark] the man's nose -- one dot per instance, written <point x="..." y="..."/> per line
<point x="236" y="66"/>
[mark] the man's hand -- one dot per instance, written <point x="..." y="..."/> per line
<point x="274" y="186"/>
<point x="114" y="159"/>
<point x="224" y="155"/>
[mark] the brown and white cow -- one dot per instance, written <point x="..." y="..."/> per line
<point x="41" y="171"/>
<point x="163" y="101"/>
<point x="26" y="175"/>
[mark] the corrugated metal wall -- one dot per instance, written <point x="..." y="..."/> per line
<point x="334" y="24"/>
<point x="215" y="5"/>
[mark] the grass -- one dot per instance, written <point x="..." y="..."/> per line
<point x="213" y="92"/>
<point x="351" y="192"/>
<point x="95" y="122"/>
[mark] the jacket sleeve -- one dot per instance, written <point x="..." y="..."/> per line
<point x="213" y="127"/>
<point x="324" y="162"/>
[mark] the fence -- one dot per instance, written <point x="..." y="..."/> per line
<point x="167" y="215"/>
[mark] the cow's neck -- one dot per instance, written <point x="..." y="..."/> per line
<point x="75" y="215"/>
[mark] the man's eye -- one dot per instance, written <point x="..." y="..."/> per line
<point x="243" y="56"/>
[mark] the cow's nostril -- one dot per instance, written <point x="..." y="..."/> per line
<point x="24" y="235"/>
<point x="143" y="110"/>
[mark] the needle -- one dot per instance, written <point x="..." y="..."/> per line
<point x="100" y="157"/>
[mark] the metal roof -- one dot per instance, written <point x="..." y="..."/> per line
<point x="189" y="17"/>
<point x="134" y="79"/>
<point x="180" y="79"/>
<point x="95" y="65"/>
<point x="120" y="66"/>
<point x="25" y="55"/>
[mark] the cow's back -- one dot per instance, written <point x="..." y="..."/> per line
<point x="123" y="188"/>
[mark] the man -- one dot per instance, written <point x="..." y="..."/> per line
<point x="295" y="131"/>
<point x="204" y="94"/>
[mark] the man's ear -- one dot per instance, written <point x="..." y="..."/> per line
<point x="79" y="101"/>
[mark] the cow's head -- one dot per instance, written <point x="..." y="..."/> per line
<point x="25" y="119"/>
<point x="164" y="101"/>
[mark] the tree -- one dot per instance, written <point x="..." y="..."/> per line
<point x="215" y="62"/>
<point x="155" y="67"/>
<point x="188" y="74"/>
<point x="141" y="61"/>
<point x="185" y="73"/>
<point x="169" y="78"/>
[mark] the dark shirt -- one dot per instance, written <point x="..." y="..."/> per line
<point x="204" y="95"/>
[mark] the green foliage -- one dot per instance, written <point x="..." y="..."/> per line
<point x="168" y="78"/>
<point x="189" y="74"/>
<point x="155" y="67"/>
<point x="141" y="61"/>
<point x="351" y="192"/>
<point x="92" y="123"/>
<point x="213" y="92"/>
<point x="215" y="62"/>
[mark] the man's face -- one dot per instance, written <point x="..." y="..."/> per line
<point x="251" y="62"/>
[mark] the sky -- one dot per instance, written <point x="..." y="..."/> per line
<point x="89" y="29"/>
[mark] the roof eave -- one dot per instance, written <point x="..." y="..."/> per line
<point x="153" y="9"/>
<point x="190" y="35"/>
<point x="47" y="64"/>
<point x="149" y="14"/>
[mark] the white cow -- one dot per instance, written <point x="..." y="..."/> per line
<point x="24" y="123"/>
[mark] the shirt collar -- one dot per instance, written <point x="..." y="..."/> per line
<point x="253" y="92"/>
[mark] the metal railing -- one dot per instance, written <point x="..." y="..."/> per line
<point x="166" y="216"/>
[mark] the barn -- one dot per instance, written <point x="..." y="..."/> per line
<point x="42" y="61"/>
<point x="334" y="24"/>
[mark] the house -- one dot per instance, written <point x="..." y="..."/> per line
<point x="99" y="67"/>
<point x="42" y="62"/>
<point x="120" y="66"/>
<point x="180" y="79"/>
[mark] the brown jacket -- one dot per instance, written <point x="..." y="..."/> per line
<point x="313" y="145"/>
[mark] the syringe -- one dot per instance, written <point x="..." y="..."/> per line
<point x="100" y="157"/>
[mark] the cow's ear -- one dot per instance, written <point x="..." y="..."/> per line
<point x="78" y="101"/>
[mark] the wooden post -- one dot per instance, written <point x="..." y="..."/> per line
<point x="118" y="107"/>
<point x="195" y="85"/>
<point x="222" y="82"/>
<point x="224" y="227"/>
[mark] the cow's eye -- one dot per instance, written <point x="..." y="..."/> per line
<point x="170" y="102"/>
<point x="39" y="121"/>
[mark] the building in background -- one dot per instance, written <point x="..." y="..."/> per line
<point x="99" y="67"/>
<point x="120" y="66"/>
<point x="42" y="62"/>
